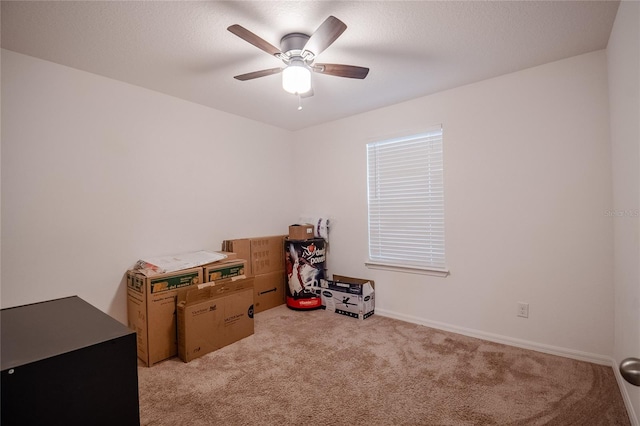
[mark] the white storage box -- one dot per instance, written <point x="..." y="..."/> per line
<point x="353" y="297"/>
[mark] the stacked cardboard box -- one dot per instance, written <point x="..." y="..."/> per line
<point x="265" y="263"/>
<point x="251" y="278"/>
<point x="301" y="232"/>
<point x="151" y="304"/>
<point x="213" y="317"/>
<point x="151" y="310"/>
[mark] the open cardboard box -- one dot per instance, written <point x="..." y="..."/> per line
<point x="353" y="297"/>
<point x="213" y="317"/>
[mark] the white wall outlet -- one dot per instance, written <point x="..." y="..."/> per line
<point x="523" y="310"/>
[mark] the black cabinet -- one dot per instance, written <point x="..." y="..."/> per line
<point x="64" y="362"/>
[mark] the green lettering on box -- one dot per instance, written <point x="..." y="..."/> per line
<point x="171" y="283"/>
<point x="228" y="272"/>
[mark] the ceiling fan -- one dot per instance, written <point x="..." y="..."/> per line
<point x="298" y="53"/>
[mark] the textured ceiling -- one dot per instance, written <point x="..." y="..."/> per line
<point x="183" y="49"/>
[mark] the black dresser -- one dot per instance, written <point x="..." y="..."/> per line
<point x="64" y="362"/>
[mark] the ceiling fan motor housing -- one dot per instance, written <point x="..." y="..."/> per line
<point x="292" y="44"/>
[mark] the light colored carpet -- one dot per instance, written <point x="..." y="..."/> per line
<point x="320" y="368"/>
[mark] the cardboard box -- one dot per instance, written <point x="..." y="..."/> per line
<point x="213" y="317"/>
<point x="264" y="254"/>
<point x="151" y="311"/>
<point x="269" y="290"/>
<point x="353" y="297"/>
<point x="224" y="269"/>
<point x="230" y="255"/>
<point x="301" y="232"/>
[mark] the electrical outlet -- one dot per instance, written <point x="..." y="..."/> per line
<point x="523" y="310"/>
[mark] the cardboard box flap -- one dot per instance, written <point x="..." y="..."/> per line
<point x="222" y="288"/>
<point x="351" y="280"/>
<point x="225" y="269"/>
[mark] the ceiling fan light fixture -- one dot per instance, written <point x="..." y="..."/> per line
<point x="296" y="77"/>
<point x="298" y="52"/>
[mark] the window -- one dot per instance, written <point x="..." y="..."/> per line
<point x="406" y="203"/>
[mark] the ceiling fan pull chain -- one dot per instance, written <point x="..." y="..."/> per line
<point x="299" y="102"/>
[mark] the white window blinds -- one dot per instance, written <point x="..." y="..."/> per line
<point x="406" y="201"/>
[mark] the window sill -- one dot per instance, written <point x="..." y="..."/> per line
<point x="408" y="269"/>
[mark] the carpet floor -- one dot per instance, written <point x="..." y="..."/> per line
<point x="320" y="368"/>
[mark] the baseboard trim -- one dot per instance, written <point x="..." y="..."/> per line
<point x="525" y="344"/>
<point x="497" y="338"/>
<point x="625" y="395"/>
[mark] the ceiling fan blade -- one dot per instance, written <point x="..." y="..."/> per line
<point x="257" y="74"/>
<point x="326" y="34"/>
<point x="250" y="37"/>
<point x="349" y="71"/>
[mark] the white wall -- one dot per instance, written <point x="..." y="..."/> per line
<point x="623" y="54"/>
<point x="527" y="182"/>
<point x="97" y="174"/>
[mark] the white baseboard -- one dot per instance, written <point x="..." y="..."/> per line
<point x="497" y="338"/>
<point x="625" y="395"/>
<point x="525" y="344"/>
